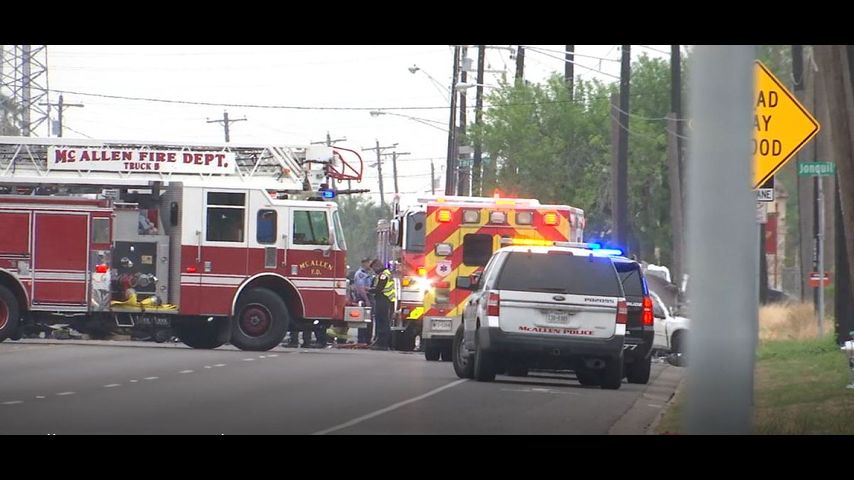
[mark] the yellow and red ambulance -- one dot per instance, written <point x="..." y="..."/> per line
<point x="431" y="242"/>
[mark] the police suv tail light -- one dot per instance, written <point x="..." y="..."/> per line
<point x="622" y="312"/>
<point x="647" y="317"/>
<point x="492" y="308"/>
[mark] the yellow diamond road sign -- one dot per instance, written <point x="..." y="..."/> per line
<point x="781" y="126"/>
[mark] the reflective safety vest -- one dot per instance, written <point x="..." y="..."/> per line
<point x="385" y="284"/>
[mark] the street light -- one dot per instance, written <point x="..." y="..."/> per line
<point x="442" y="89"/>
<point x="425" y="121"/>
<point x="465" y="86"/>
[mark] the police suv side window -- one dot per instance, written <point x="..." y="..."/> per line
<point x="311" y="228"/>
<point x="225" y="217"/>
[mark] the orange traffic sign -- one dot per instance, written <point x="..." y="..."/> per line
<point x="781" y="125"/>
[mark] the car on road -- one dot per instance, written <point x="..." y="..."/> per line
<point x="640" y="326"/>
<point x="544" y="306"/>
<point x="670" y="331"/>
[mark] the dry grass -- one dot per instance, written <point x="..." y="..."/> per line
<point x="792" y="321"/>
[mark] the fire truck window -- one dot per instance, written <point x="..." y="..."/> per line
<point x="339" y="231"/>
<point x="225" y="217"/>
<point x="266" y="227"/>
<point x="415" y="232"/>
<point x="310" y="228"/>
<point x="477" y="249"/>
<point x="100" y="230"/>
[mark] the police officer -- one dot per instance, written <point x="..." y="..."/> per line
<point x="383" y="291"/>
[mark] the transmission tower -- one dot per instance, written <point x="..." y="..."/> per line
<point x="23" y="87"/>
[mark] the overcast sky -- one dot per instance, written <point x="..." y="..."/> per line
<point x="295" y="75"/>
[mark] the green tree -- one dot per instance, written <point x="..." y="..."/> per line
<point x="8" y="112"/>
<point x="359" y="215"/>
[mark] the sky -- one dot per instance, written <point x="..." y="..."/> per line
<point x="367" y="77"/>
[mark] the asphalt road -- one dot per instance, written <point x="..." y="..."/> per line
<point x="149" y="389"/>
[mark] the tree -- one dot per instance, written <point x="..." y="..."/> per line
<point x="359" y="215"/>
<point x="8" y="112"/>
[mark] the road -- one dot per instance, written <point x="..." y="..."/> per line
<point x="48" y="388"/>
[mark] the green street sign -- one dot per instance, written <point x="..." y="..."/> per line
<point x="816" y="169"/>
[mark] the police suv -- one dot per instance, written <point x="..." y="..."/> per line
<point x="544" y="305"/>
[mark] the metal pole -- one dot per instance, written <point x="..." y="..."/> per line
<point x="821" y="226"/>
<point x="451" y="167"/>
<point x="722" y="256"/>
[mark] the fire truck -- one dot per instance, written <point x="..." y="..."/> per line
<point x="214" y="243"/>
<point x="430" y="243"/>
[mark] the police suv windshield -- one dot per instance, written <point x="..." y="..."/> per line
<point x="559" y="272"/>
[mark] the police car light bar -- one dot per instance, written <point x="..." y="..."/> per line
<point x="531" y="242"/>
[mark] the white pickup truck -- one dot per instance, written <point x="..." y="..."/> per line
<point x="670" y="330"/>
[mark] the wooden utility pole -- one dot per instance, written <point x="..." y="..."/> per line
<point x="226" y="122"/>
<point x="674" y="176"/>
<point x="478" y="107"/>
<point x="568" y="69"/>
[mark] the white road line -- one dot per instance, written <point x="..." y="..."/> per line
<point x="248" y="359"/>
<point x="273" y="355"/>
<point x="40" y="396"/>
<point x="151" y="378"/>
<point x="208" y="366"/>
<point x="186" y="371"/>
<point x="654" y="405"/>
<point x="390" y="408"/>
<point x="134" y="381"/>
<point x="62" y="394"/>
<point x="112" y="385"/>
<point x="262" y="356"/>
<point x="219" y="365"/>
<point x="12" y="402"/>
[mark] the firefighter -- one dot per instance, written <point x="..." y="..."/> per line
<point x="383" y="290"/>
<point x="362" y="282"/>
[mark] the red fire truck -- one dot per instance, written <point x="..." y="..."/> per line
<point x="216" y="243"/>
<point x="438" y="238"/>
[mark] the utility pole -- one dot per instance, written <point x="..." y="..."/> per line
<point x="621" y="205"/>
<point x="520" y="64"/>
<point x="225" y="124"/>
<point x="61" y="105"/>
<point x="676" y="165"/>
<point x="379" y="150"/>
<point x="394" y="156"/>
<point x="806" y="186"/>
<point x="478" y="107"/>
<point x="451" y="168"/>
<point x="465" y="179"/>
<point x="432" y="178"/>
<point x="721" y="253"/>
<point x="568" y="66"/>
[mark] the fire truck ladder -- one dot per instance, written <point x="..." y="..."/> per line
<point x="24" y="160"/>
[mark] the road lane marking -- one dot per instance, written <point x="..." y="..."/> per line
<point x="273" y="355"/>
<point x="248" y="359"/>
<point x="40" y="396"/>
<point x="113" y="385"/>
<point x="62" y="394"/>
<point x="390" y="408"/>
<point x="219" y="365"/>
<point x="134" y="381"/>
<point x="12" y="402"/>
<point x="262" y="356"/>
<point x="151" y="378"/>
<point x="208" y="366"/>
<point x="186" y="371"/>
<point x="539" y="390"/>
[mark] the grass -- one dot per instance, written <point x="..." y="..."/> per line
<point x="799" y="380"/>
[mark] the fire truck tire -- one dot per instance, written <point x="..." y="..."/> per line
<point x="203" y="334"/>
<point x="261" y="322"/>
<point x="431" y="352"/>
<point x="9" y="314"/>
<point x="463" y="365"/>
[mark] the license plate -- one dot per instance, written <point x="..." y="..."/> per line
<point x="441" y="325"/>
<point x="561" y="318"/>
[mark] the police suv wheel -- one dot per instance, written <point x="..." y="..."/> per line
<point x="638" y="372"/>
<point x="612" y="374"/>
<point x="484" y="364"/>
<point x="9" y="314"/>
<point x="463" y="364"/>
<point x="261" y="320"/>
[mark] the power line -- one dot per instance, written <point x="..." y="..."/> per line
<point x="564" y="52"/>
<point x="654" y="49"/>
<point x="77" y="132"/>
<point x="535" y="50"/>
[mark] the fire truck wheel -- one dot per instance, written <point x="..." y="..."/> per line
<point x="261" y="322"/>
<point x="9" y="314"/>
<point x="203" y="334"/>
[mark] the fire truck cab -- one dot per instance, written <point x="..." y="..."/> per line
<point x="433" y="241"/>
<point x="214" y="243"/>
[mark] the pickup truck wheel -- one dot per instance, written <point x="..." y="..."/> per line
<point x="638" y="372"/>
<point x="9" y="314"/>
<point x="261" y="320"/>
<point x="612" y="375"/>
<point x="677" y="355"/>
<point x="484" y="364"/>
<point x="463" y="365"/>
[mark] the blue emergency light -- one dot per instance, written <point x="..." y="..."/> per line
<point x="328" y="194"/>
